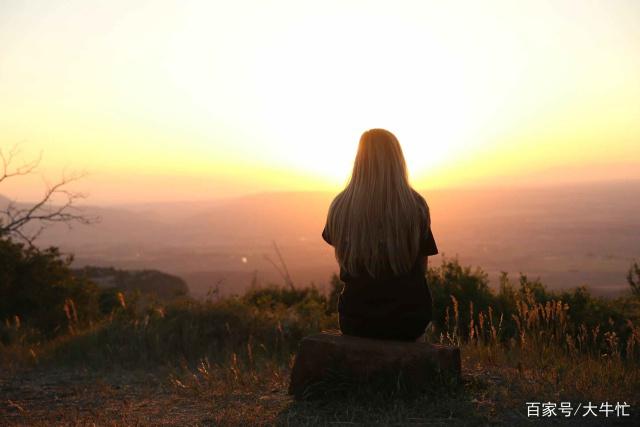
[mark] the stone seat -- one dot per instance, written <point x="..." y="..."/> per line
<point x="364" y="359"/>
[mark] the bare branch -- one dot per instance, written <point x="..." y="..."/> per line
<point x="14" y="218"/>
<point x="24" y="169"/>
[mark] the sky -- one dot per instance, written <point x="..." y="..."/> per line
<point x="193" y="100"/>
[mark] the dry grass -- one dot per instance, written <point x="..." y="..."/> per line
<point x="228" y="363"/>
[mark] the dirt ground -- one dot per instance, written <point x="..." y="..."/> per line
<point x="80" y="397"/>
<point x="72" y="397"/>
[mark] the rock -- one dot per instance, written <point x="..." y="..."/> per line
<point x="362" y="360"/>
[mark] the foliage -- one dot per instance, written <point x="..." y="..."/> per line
<point x="519" y="343"/>
<point x="452" y="282"/>
<point x="40" y="291"/>
<point x="273" y="297"/>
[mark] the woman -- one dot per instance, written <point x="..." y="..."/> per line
<point x="381" y="231"/>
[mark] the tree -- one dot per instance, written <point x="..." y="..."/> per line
<point x="14" y="218"/>
<point x="39" y="288"/>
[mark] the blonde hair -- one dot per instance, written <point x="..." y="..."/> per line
<point x="375" y="222"/>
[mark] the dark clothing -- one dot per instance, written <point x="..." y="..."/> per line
<point x="407" y="327"/>
<point x="392" y="307"/>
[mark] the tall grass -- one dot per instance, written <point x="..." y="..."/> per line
<point x="535" y="340"/>
<point x="540" y="326"/>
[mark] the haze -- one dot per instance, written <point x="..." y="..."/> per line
<point x="567" y="236"/>
<point x="185" y="100"/>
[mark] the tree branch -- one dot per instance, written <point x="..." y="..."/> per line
<point x="25" y="169"/>
<point x="13" y="219"/>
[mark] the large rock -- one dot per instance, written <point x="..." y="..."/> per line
<point x="362" y="360"/>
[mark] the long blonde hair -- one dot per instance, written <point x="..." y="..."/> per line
<point x="375" y="222"/>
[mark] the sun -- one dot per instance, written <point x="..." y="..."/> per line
<point x="319" y="91"/>
<point x="302" y="102"/>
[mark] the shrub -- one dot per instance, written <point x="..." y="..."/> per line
<point x="39" y="288"/>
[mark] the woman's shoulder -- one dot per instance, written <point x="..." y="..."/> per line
<point x="337" y="199"/>
<point x="422" y="203"/>
<point x="418" y="196"/>
<point x="423" y="207"/>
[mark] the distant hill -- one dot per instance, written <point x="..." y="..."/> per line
<point x="569" y="235"/>
<point x="150" y="282"/>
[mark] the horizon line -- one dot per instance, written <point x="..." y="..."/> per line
<point x="438" y="189"/>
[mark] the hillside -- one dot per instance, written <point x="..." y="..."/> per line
<point x="149" y="282"/>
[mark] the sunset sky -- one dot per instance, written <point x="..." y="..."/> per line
<point x="185" y="100"/>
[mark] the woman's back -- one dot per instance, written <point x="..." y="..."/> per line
<point x="382" y="266"/>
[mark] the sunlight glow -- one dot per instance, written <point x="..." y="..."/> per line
<point x="255" y="96"/>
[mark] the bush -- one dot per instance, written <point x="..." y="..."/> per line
<point x="39" y="288"/>
<point x="467" y="288"/>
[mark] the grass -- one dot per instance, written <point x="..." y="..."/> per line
<point x="234" y="391"/>
<point x="228" y="363"/>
